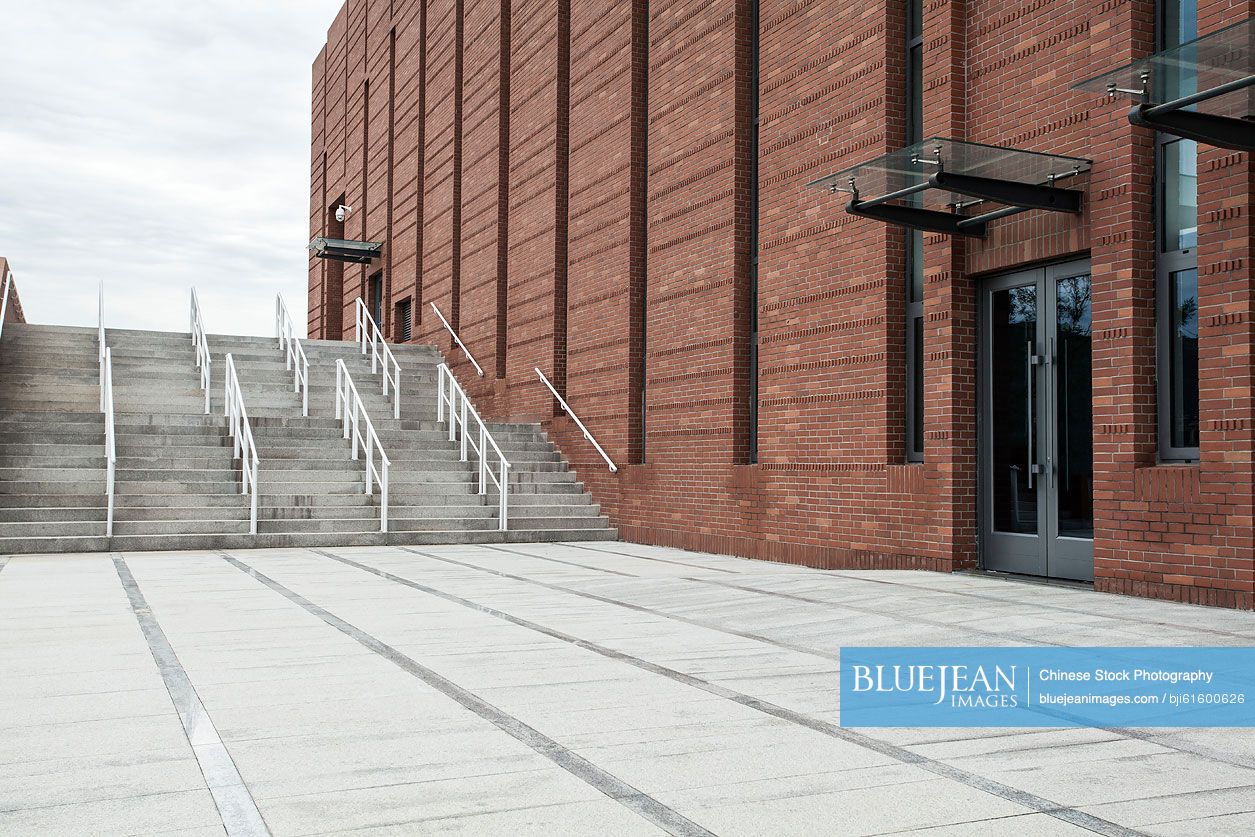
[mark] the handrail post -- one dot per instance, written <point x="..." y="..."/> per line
<point x="483" y="459"/>
<point x="355" y="432"/>
<point x="504" y="492"/>
<point x="453" y="425"/>
<point x="464" y="433"/>
<point x="396" y="391"/>
<point x="439" y="394"/>
<point x="110" y="441"/>
<point x="252" y="513"/>
<point x="383" y="496"/>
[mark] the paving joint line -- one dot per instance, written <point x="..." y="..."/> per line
<point x="236" y="806"/>
<point x="1024" y="798"/>
<point x="607" y="783"/>
<point x="556" y="560"/>
<point x="576" y="545"/>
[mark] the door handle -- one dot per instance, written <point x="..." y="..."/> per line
<point x="1032" y="360"/>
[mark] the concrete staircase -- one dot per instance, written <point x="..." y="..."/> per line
<point x="177" y="485"/>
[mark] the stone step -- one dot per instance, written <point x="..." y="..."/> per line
<point x="64" y="528"/>
<point x="16" y="476"/>
<point x="226" y="487"/>
<point x="177" y="480"/>
<point x="53" y="459"/>
<point x="429" y="524"/>
<point x="53" y="514"/>
<point x="23" y="500"/>
<point x="74" y="485"/>
<point x="183" y="526"/>
<point x="141" y="543"/>
<point x="237" y="511"/>
<point x="188" y="500"/>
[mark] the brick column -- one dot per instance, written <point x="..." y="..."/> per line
<point x="950" y="340"/>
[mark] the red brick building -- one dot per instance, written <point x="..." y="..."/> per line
<point x="617" y="193"/>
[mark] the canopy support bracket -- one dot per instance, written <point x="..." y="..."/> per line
<point x="1220" y="131"/>
<point x="1027" y="195"/>
<point x="914" y="217"/>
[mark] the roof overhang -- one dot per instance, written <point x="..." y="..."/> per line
<point x="1202" y="90"/>
<point x="955" y="187"/>
<point x="338" y="249"/>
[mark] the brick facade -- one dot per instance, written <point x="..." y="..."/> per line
<point x="569" y="182"/>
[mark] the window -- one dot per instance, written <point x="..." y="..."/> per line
<point x="1176" y="260"/>
<point x="914" y="241"/>
<point x="405" y="325"/>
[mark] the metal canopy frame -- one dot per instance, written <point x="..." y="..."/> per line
<point x="340" y="250"/>
<point x="971" y="174"/>
<point x="1172" y="84"/>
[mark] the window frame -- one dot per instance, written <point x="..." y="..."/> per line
<point x="914" y="308"/>
<point x="1167" y="263"/>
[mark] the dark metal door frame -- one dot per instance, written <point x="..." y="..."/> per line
<point x="1049" y="552"/>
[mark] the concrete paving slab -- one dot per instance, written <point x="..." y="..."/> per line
<point x="858" y="811"/>
<point x="560" y="688"/>
<point x="149" y="814"/>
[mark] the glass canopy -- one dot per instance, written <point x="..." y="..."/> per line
<point x="1221" y="65"/>
<point x="914" y="165"/>
<point x="916" y="185"/>
<point x="338" y="249"/>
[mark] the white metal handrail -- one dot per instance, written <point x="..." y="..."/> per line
<point x="4" y="306"/>
<point x="243" y="447"/>
<point x="290" y="344"/>
<point x="351" y="410"/>
<point x="106" y="407"/>
<point x="200" y="342"/>
<point x="452" y="396"/>
<point x="458" y="340"/>
<point x="367" y="332"/>
<point x="566" y="408"/>
<point x="111" y="452"/>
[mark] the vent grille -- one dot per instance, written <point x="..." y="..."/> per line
<point x="405" y="320"/>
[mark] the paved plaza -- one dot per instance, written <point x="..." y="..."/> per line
<point x="555" y="689"/>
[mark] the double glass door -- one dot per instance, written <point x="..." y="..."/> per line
<point x="1036" y="423"/>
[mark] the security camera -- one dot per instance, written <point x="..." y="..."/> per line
<point x="342" y="212"/>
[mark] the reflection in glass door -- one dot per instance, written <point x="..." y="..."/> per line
<point x="1036" y="423"/>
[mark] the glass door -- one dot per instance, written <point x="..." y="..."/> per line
<point x="1036" y="410"/>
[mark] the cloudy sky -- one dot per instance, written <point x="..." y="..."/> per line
<point x="156" y="145"/>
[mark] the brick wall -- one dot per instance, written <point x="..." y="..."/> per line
<point x="584" y="208"/>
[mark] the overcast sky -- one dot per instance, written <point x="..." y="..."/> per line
<point x="156" y="145"/>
